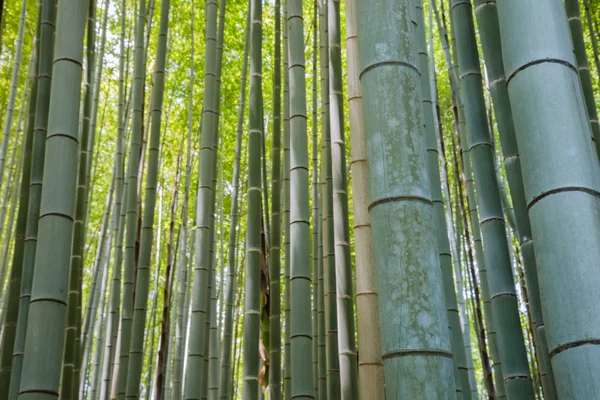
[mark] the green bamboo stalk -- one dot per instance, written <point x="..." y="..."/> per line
<point x="470" y="205"/>
<point x="48" y="311"/>
<point x="561" y="190"/>
<point x="22" y="266"/>
<point x="331" y="329"/>
<point x="120" y="193"/>
<point x="415" y="340"/>
<point x="583" y="68"/>
<point x="457" y="336"/>
<point x="300" y="281"/>
<point x="487" y="16"/>
<point x="227" y="344"/>
<point x="275" y="251"/>
<point x="348" y="358"/>
<point x="211" y="292"/>
<point x="205" y="206"/>
<point x="136" y="356"/>
<point x="287" y="356"/>
<point x="131" y="209"/>
<point x="503" y="297"/>
<point x="72" y="358"/>
<point x="370" y="368"/>
<point x="13" y="91"/>
<point x="250" y="385"/>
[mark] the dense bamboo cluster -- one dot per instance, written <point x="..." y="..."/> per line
<point x="220" y="200"/>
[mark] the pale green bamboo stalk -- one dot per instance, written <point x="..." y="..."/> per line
<point x="48" y="311"/>
<point x="562" y="184"/>
<point x="416" y="356"/>
<point x="370" y="368"/>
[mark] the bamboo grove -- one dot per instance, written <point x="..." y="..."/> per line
<point x="291" y="199"/>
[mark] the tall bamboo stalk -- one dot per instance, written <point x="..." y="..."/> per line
<point x="457" y="336"/>
<point x="205" y="206"/>
<point x="561" y="191"/>
<point x="275" y="251"/>
<point x="300" y="280"/>
<point x="250" y="386"/>
<point x="287" y="360"/>
<point x="227" y="344"/>
<point x="19" y="289"/>
<point x="503" y="297"/>
<point x="48" y="311"/>
<point x="348" y="359"/>
<point x="370" y="366"/>
<point x="331" y="331"/>
<point x="120" y="193"/>
<point x="136" y="359"/>
<point x="401" y="209"/>
<point x="315" y="199"/>
<point x="131" y="209"/>
<point x="487" y="16"/>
